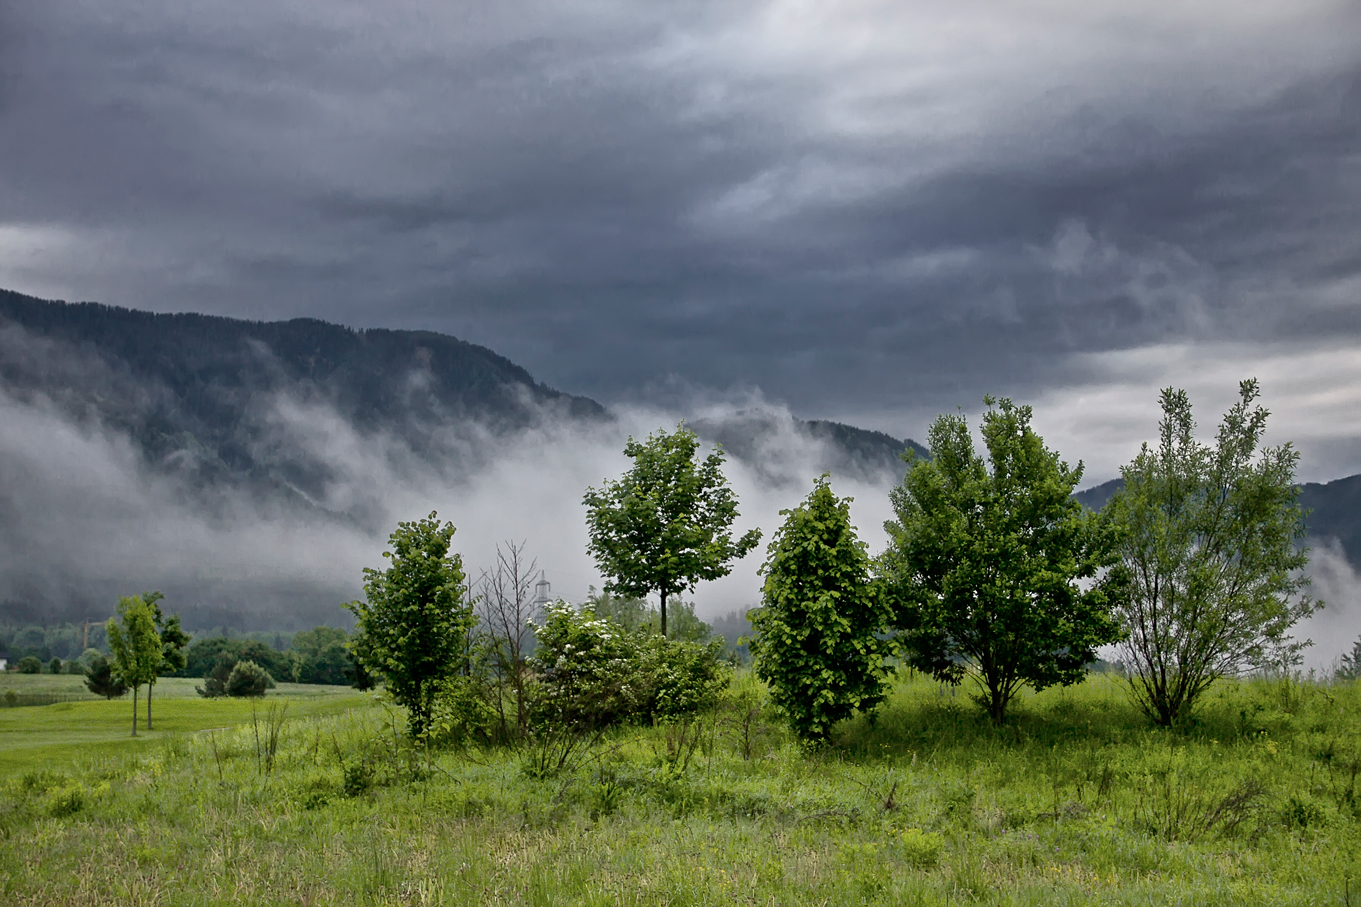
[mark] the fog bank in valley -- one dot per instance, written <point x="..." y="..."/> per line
<point x="84" y="518"/>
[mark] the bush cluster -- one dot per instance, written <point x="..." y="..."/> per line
<point x="230" y="677"/>
<point x="592" y="674"/>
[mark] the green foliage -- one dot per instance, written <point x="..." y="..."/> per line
<point x="920" y="849"/>
<point x="994" y="569"/>
<point x="225" y="680"/>
<point x="54" y="666"/>
<point x="206" y="652"/>
<point x="173" y="640"/>
<point x="635" y="615"/>
<point x="592" y="674"/>
<point x="1209" y="541"/>
<point x="587" y="670"/>
<point x="30" y="664"/>
<point x="665" y="525"/>
<point x="320" y="655"/>
<point x="414" y="625"/>
<point x="1349" y="665"/>
<point x="136" y="646"/>
<point x="679" y="679"/>
<point x="816" y="639"/>
<point x="102" y="681"/>
<point x="247" y="679"/>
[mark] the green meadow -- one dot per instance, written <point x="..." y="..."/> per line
<point x="56" y="733"/>
<point x="1076" y="801"/>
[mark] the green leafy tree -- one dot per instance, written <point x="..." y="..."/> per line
<point x="1209" y="539"/>
<point x="413" y="626"/>
<point x="995" y="570"/>
<point x="817" y="642"/>
<point x="136" y="645"/>
<point x="320" y="656"/>
<point x="173" y="640"/>
<point x="30" y="664"/>
<point x="101" y="679"/>
<point x="54" y="666"/>
<point x="665" y="525"/>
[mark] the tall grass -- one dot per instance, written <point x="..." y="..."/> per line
<point x="1077" y="801"/>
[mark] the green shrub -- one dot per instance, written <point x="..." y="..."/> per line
<point x="460" y="716"/>
<point x="66" y="800"/>
<point x="248" y="679"/>
<point x="54" y="666"/>
<point x="588" y="670"/>
<point x="592" y="674"/>
<point x="30" y="664"/>
<point x="920" y="848"/>
<point x="680" y="679"/>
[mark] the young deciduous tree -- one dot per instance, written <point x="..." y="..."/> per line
<point x="987" y="561"/>
<point x="173" y="641"/>
<point x="1209" y="539"/>
<point x="508" y="611"/>
<point x="136" y="645"/>
<point x="665" y="524"/>
<point x="816" y="641"/>
<point x="413" y="626"/>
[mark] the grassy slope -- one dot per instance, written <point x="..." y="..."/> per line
<point x="1077" y="802"/>
<point x="54" y="735"/>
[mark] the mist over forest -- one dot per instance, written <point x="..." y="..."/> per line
<point x="250" y="470"/>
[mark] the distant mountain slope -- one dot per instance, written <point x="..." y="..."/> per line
<point x="1097" y="496"/>
<point x="188" y="388"/>
<point x="196" y="394"/>
<point x="769" y="439"/>
<point x="1333" y="510"/>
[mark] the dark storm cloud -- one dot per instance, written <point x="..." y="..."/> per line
<point x="872" y="212"/>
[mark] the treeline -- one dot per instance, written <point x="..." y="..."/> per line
<point x="994" y="575"/>
<point x="317" y="656"/>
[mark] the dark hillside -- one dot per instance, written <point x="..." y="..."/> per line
<point x="189" y="388"/>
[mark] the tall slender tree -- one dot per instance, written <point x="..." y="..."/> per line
<point x="136" y="645"/>
<point x="173" y="640"/>
<point x="817" y="633"/>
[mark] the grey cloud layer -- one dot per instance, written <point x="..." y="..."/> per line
<point x="872" y="211"/>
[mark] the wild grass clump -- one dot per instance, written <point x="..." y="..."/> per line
<point x="1078" y="801"/>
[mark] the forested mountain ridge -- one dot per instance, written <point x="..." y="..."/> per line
<point x="187" y="388"/>
<point x="193" y="392"/>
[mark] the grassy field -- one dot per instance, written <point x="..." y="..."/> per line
<point x="1078" y="801"/>
<point x="54" y="735"/>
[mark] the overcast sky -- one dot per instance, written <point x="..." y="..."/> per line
<point x="870" y="212"/>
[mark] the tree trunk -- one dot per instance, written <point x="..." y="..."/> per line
<point x="149" y="688"/>
<point x="663" y="613"/>
<point x="134" y="711"/>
